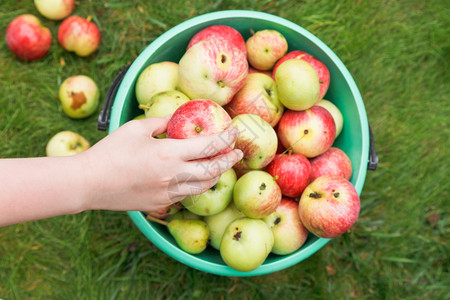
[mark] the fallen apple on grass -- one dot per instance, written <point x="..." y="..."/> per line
<point x="55" y="9"/>
<point x="66" y="143"/>
<point x="79" y="96"/>
<point x="79" y="35"/>
<point x="27" y="38"/>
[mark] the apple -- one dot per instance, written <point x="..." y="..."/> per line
<point x="309" y="132"/>
<point x="55" y="9"/>
<point x="256" y="194"/>
<point x="217" y="223"/>
<point x="165" y="212"/>
<point x="298" y="84"/>
<point x="257" y="140"/>
<point x="292" y="173"/>
<point x="27" y="38"/>
<point x="191" y="235"/>
<point x="288" y="231"/>
<point x="264" y="48"/>
<point x="79" y="35"/>
<point x="164" y="103"/>
<point x="79" y="96"/>
<point x="156" y="78"/>
<point x="335" y="112"/>
<point x="332" y="162"/>
<point x="246" y="243"/>
<point x="322" y="71"/>
<point x="329" y="206"/>
<point x="212" y="69"/>
<point x="258" y="96"/>
<point x="253" y="70"/>
<point x="215" y="199"/>
<point x="139" y="117"/>
<point x="66" y="143"/>
<point x="227" y="33"/>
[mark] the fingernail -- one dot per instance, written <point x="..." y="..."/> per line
<point x="240" y="154"/>
<point x="236" y="131"/>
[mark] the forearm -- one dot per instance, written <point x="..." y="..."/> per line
<point x="37" y="188"/>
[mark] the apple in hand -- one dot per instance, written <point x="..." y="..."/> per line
<point x="256" y="194"/>
<point x="287" y="228"/>
<point x="55" y="9"/>
<point x="156" y="78"/>
<point x="332" y="162"/>
<point x="264" y="48"/>
<point x="66" y="143"/>
<point x="298" y="84"/>
<point x="215" y="199"/>
<point x="227" y="33"/>
<point x="321" y="69"/>
<point x="212" y="69"/>
<point x="79" y="96"/>
<point x="309" y="132"/>
<point x="329" y="206"/>
<point x="27" y="38"/>
<point x="217" y="223"/>
<point x="335" y="112"/>
<point x="258" y="96"/>
<point x="246" y="243"/>
<point x="79" y="35"/>
<point x="257" y="140"/>
<point x="291" y="172"/>
<point x="164" y="103"/>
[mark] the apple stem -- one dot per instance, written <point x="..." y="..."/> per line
<point x="289" y="149"/>
<point x="151" y="218"/>
<point x="143" y="106"/>
<point x="89" y="18"/>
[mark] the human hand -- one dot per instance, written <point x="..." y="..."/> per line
<point x="130" y="169"/>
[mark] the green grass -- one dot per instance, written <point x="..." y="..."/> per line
<point x="398" y="54"/>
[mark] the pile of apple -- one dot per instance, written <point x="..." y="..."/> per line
<point x="291" y="180"/>
<point x="29" y="41"/>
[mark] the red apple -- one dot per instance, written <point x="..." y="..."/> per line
<point x="308" y="132"/>
<point x="79" y="35"/>
<point x="198" y="117"/>
<point x="212" y="69"/>
<point x="321" y="69"/>
<point x="229" y="34"/>
<point x="54" y="9"/>
<point x="258" y="96"/>
<point x="264" y="48"/>
<point x="27" y="38"/>
<point x="332" y="162"/>
<point x="329" y="206"/>
<point x="287" y="228"/>
<point x="291" y="172"/>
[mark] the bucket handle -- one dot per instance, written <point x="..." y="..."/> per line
<point x="104" y="118"/>
<point x="105" y="113"/>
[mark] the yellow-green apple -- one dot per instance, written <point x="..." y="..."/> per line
<point x="27" y="38"/>
<point x="218" y="223"/>
<point x="256" y="194"/>
<point x="287" y="228"/>
<point x="335" y="112"/>
<point x="292" y="173"/>
<point x="66" y="143"/>
<point x="79" y="96"/>
<point x="298" y="84"/>
<point x="264" y="48"/>
<point x="215" y="199"/>
<point x="332" y="162"/>
<point x="164" y="103"/>
<point x="246" y="243"/>
<point x="55" y="9"/>
<point x="199" y="117"/>
<point x="157" y="77"/>
<point x="191" y="235"/>
<point x="258" y="96"/>
<point x="227" y="33"/>
<point x="329" y="206"/>
<point x="79" y="35"/>
<point x="322" y="71"/>
<point x="139" y="117"/>
<point x="166" y="211"/>
<point x="212" y="69"/>
<point x="257" y="140"/>
<point x="308" y="132"/>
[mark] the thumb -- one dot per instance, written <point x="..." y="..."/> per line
<point x="157" y="125"/>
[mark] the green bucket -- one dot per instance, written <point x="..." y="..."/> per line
<point x="355" y="139"/>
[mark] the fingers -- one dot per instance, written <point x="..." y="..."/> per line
<point x="182" y="190"/>
<point x="206" y="146"/>
<point x="155" y="125"/>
